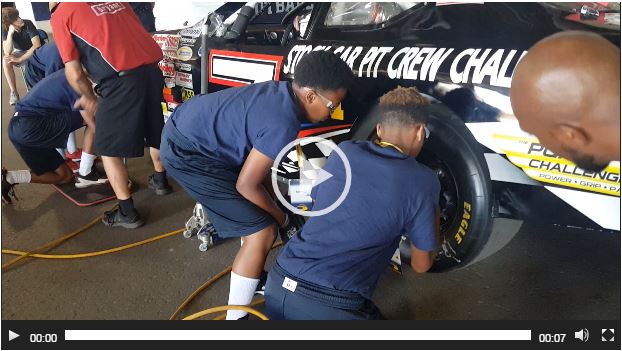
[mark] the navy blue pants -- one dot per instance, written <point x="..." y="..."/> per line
<point x="37" y="136"/>
<point x="310" y="301"/>
<point x="212" y="184"/>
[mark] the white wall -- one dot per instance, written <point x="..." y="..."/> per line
<point x="172" y="14"/>
<point x="168" y="14"/>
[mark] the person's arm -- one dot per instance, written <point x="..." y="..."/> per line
<point x="70" y="56"/>
<point x="7" y="44"/>
<point x="36" y="43"/>
<point x="250" y="184"/>
<point x="420" y="260"/>
<point x="81" y="84"/>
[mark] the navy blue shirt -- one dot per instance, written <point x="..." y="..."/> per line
<point x="52" y="94"/>
<point x="226" y="125"/>
<point x="43" y="62"/>
<point x="348" y="249"/>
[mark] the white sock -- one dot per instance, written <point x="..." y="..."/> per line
<point x="241" y="291"/>
<point x="86" y="163"/>
<point x="62" y="153"/>
<point x="71" y="143"/>
<point x="18" y="177"/>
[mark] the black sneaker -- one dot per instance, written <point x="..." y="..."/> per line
<point x="160" y="189"/>
<point x="261" y="286"/>
<point x="8" y="191"/>
<point x="93" y="178"/>
<point x="114" y="218"/>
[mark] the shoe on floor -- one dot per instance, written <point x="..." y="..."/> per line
<point x="93" y="178"/>
<point x="114" y="218"/>
<point x="72" y="165"/>
<point x="261" y="286"/>
<point x="14" y="98"/>
<point x="160" y="189"/>
<point x="7" y="189"/>
<point x="74" y="155"/>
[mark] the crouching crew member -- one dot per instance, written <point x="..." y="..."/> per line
<point x="220" y="148"/>
<point x="41" y="124"/>
<point x="329" y="270"/>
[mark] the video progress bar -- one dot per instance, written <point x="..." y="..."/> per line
<point x="291" y="335"/>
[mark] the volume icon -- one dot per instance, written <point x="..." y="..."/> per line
<point x="582" y="335"/>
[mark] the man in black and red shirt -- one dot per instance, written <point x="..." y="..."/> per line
<point x="121" y="59"/>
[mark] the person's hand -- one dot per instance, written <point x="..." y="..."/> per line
<point x="11" y="29"/>
<point x="87" y="103"/>
<point x="15" y="60"/>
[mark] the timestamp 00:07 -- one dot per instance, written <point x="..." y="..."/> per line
<point x="551" y="337"/>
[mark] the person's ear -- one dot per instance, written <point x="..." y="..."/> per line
<point x="573" y="136"/>
<point x="310" y="97"/>
<point x="379" y="130"/>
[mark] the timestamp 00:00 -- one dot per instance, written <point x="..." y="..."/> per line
<point x="43" y="338"/>
<point x="551" y="337"/>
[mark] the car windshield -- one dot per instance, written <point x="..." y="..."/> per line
<point x="364" y="13"/>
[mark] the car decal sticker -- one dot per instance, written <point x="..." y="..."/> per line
<point x="472" y="65"/>
<point x="541" y="164"/>
<point x="235" y="69"/>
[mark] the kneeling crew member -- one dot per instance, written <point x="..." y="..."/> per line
<point x="220" y="148"/>
<point x="330" y="268"/>
<point x="41" y="123"/>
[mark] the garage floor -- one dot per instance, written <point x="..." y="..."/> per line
<point x="544" y="273"/>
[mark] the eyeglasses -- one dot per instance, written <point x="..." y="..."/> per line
<point x="329" y="104"/>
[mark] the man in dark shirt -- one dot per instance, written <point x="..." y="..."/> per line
<point x="20" y="39"/>
<point x="41" y="123"/>
<point x="330" y="269"/>
<point x="44" y="61"/>
<point x="220" y="148"/>
<point x="566" y="91"/>
<point x="122" y="59"/>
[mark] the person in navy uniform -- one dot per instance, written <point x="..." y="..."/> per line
<point x="41" y="124"/>
<point x="44" y="61"/>
<point x="220" y="148"/>
<point x="330" y="268"/>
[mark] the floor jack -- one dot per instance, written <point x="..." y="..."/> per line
<point x="200" y="226"/>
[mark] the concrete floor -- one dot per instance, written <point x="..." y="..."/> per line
<point x="544" y="273"/>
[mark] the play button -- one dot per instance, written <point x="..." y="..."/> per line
<point x="311" y="175"/>
<point x="316" y="175"/>
<point x="12" y="335"/>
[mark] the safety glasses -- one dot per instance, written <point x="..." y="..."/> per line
<point x="329" y="104"/>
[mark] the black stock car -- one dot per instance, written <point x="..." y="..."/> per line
<point x="462" y="56"/>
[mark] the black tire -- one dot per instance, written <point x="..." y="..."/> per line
<point x="466" y="192"/>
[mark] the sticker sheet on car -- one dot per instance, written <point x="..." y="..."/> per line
<point x="235" y="69"/>
<point x="541" y="164"/>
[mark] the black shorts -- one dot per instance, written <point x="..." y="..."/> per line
<point x="213" y="185"/>
<point x="130" y="112"/>
<point x="36" y="137"/>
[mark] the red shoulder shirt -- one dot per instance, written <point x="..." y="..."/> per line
<point x="106" y="37"/>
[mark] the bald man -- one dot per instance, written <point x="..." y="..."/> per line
<point x="566" y="91"/>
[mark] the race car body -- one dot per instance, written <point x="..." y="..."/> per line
<point x="462" y="56"/>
